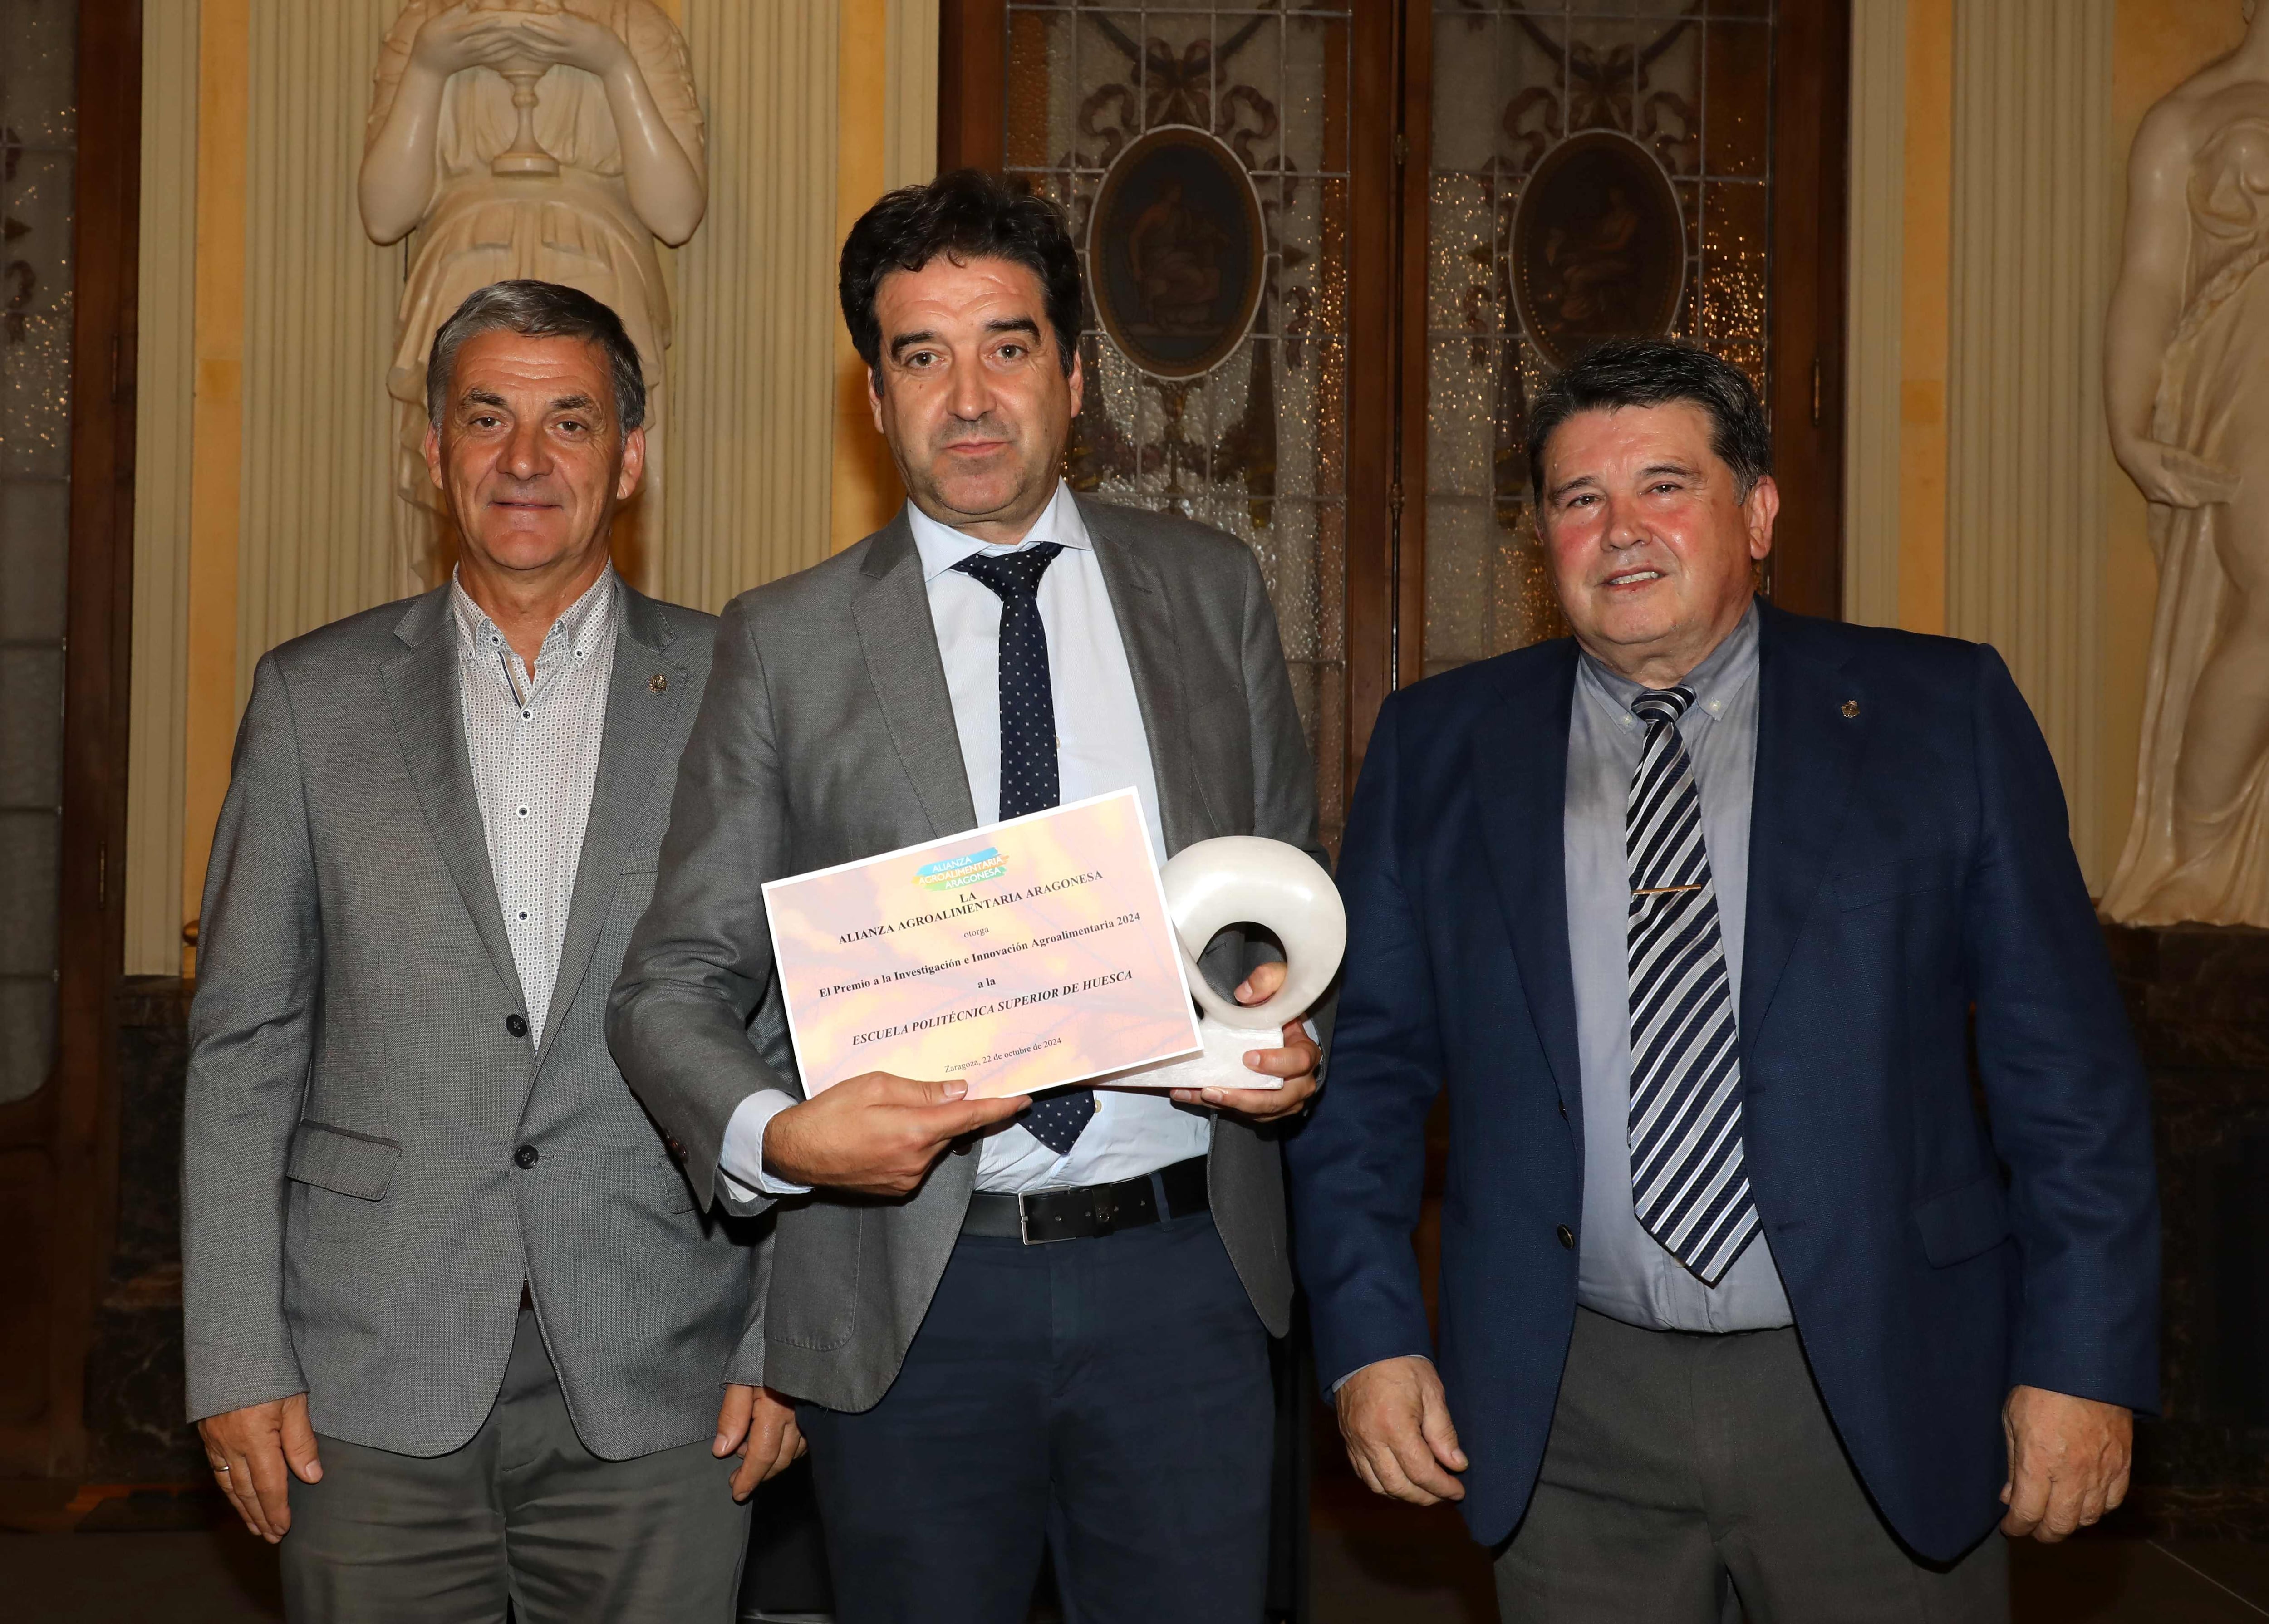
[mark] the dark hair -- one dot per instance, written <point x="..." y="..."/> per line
<point x="538" y="310"/>
<point x="965" y="214"/>
<point x="1655" y="371"/>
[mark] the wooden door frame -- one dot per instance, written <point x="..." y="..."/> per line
<point x="73" y="1121"/>
<point x="1811" y="157"/>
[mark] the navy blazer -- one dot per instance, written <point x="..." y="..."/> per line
<point x="1909" y="861"/>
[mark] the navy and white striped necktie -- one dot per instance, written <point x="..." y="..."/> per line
<point x="1689" y="1179"/>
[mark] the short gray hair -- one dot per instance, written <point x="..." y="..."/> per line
<point x="538" y="310"/>
<point x="1618" y="372"/>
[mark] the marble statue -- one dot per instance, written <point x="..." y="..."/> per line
<point x="2186" y="389"/>
<point x="548" y="138"/>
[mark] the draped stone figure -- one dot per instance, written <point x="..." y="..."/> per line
<point x="2186" y="387"/>
<point x="555" y="139"/>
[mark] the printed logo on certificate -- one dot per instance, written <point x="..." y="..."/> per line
<point x="1015" y="957"/>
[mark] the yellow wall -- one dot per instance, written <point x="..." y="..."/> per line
<point x="262" y="545"/>
<point x="2154" y="45"/>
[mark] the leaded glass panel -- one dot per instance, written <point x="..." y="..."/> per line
<point x="39" y="65"/>
<point x="1678" y="93"/>
<point x="1256" y="444"/>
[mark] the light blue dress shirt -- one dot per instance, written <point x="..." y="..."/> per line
<point x="1621" y="1271"/>
<point x="1100" y="746"/>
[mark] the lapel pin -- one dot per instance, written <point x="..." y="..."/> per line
<point x="657" y="682"/>
<point x="1850" y="706"/>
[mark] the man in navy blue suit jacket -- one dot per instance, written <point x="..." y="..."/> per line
<point x="1745" y="1288"/>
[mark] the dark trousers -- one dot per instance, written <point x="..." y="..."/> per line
<point x="1686" y="1474"/>
<point x="522" y="1513"/>
<point x="1108" y="1399"/>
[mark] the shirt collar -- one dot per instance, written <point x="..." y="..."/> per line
<point x="941" y="546"/>
<point x="586" y="623"/>
<point x="1716" y="681"/>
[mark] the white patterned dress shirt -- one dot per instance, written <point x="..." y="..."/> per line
<point x="533" y="746"/>
<point x="1100" y="746"/>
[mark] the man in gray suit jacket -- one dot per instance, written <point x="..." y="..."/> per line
<point x="1057" y="1335"/>
<point x="455" y="1319"/>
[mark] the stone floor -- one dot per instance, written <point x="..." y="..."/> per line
<point x="1370" y="1567"/>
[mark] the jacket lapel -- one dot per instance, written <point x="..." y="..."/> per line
<point x="899" y="641"/>
<point x="1146" y="628"/>
<point x="640" y="722"/>
<point x="1520" y="762"/>
<point x="1808" y="755"/>
<point x="429" y="723"/>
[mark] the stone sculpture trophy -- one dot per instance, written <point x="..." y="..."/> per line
<point x="2187" y="389"/>
<point x="556" y="140"/>
<point x="1245" y="880"/>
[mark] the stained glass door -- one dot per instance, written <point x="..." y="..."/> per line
<point x="1334" y="247"/>
<point x="39" y="106"/>
<point x="1203" y="155"/>
<point x="1599" y="167"/>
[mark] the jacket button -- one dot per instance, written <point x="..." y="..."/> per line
<point x="526" y="1157"/>
<point x="1564" y="1111"/>
<point x="1567" y="1236"/>
<point x="516" y="1023"/>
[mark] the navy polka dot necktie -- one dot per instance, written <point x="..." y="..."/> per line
<point x="1027" y="756"/>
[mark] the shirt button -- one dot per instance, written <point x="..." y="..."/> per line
<point x="1567" y="1236"/>
<point x="523" y="811"/>
<point x="525" y="1157"/>
<point x="516" y="1023"/>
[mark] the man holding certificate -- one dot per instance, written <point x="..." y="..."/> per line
<point x="1015" y="1322"/>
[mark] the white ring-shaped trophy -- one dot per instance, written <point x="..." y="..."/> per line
<point x="1246" y="879"/>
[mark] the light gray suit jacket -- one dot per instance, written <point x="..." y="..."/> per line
<point x="827" y="736"/>
<point x="354" y="1222"/>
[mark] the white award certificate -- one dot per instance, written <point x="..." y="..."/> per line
<point x="1015" y="957"/>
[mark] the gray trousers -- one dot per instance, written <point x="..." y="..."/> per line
<point x="523" y="1512"/>
<point x="1693" y="1479"/>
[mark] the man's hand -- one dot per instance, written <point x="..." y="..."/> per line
<point x="877" y="1134"/>
<point x="1295" y="1062"/>
<point x="2068" y="1461"/>
<point x="253" y="1453"/>
<point x="1396" y="1421"/>
<point x="759" y="1425"/>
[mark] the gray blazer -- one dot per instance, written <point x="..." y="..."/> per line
<point x="827" y="736"/>
<point x="354" y="1219"/>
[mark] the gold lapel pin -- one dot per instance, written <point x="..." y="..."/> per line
<point x="657" y="682"/>
<point x="1851" y="707"/>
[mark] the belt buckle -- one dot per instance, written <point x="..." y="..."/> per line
<point x="1024" y="1227"/>
<point x="1101" y="1206"/>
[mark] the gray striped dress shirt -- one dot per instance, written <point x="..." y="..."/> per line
<point x="533" y="747"/>
<point x="1621" y="1270"/>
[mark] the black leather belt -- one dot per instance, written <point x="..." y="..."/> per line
<point x="1092" y="1210"/>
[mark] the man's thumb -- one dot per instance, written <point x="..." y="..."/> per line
<point x="297" y="1435"/>
<point x="1441" y="1435"/>
<point x="733" y="1414"/>
<point x="941" y="1091"/>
